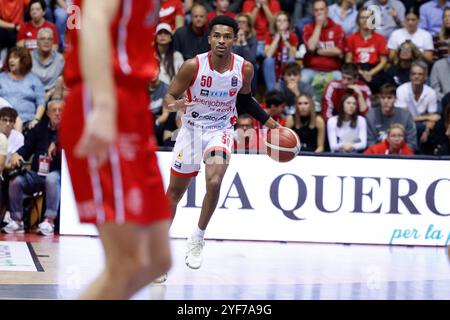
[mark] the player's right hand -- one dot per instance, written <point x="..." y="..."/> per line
<point x="179" y="104"/>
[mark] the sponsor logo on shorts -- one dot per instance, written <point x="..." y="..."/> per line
<point x="204" y="92"/>
<point x="234" y="81"/>
<point x="177" y="164"/>
<point x="180" y="155"/>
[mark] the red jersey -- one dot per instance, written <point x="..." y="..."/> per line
<point x="331" y="36"/>
<point x="28" y="32"/>
<point x="261" y="24"/>
<point x="135" y="23"/>
<point x="333" y="93"/>
<point x="281" y="54"/>
<point x="383" y="148"/>
<point x="169" y="10"/>
<point x="367" y="51"/>
<point x="13" y="10"/>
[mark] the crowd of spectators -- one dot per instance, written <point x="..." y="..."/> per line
<point x="343" y="74"/>
<point x="348" y="76"/>
<point x="32" y="42"/>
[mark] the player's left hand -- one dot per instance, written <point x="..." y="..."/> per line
<point x="98" y="135"/>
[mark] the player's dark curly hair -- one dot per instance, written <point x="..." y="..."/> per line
<point x="224" y="20"/>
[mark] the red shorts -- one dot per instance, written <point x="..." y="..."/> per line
<point x="128" y="188"/>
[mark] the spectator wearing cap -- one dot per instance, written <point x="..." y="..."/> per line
<point x="28" y="33"/>
<point x="170" y="59"/>
<point x="192" y="39"/>
<point x="172" y="13"/>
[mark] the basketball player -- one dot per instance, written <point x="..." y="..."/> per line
<point x="109" y="144"/>
<point x="216" y="83"/>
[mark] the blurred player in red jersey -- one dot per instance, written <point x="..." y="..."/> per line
<point x="109" y="143"/>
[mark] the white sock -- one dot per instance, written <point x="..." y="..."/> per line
<point x="198" y="233"/>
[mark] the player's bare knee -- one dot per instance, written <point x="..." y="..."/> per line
<point x="213" y="184"/>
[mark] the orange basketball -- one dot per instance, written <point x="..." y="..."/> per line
<point x="283" y="144"/>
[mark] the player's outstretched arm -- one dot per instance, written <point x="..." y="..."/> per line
<point x="179" y="84"/>
<point x="95" y="50"/>
<point x="247" y="104"/>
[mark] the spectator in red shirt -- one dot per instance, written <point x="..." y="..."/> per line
<point x="11" y="17"/>
<point x="280" y="49"/>
<point x="336" y="89"/>
<point x="222" y="7"/>
<point x="261" y="12"/>
<point x="324" y="41"/>
<point x="172" y="13"/>
<point x="27" y="36"/>
<point x="368" y="50"/>
<point x="394" y="143"/>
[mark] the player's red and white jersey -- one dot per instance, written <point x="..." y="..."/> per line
<point x="214" y="94"/>
<point x="135" y="22"/>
